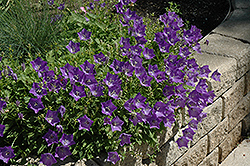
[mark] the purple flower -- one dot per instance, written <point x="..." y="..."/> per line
<point x="182" y="141"/>
<point x="39" y="65"/>
<point x="148" y="53"/>
<point x="96" y="90"/>
<point x="119" y="8"/>
<point x="2" y="127"/>
<point x="77" y="92"/>
<point x="204" y="71"/>
<point x="129" y="105"/>
<point x="140" y="71"/>
<point x="164" y="46"/>
<point x="91" y="6"/>
<point x="135" y="118"/>
<point x="115" y="91"/>
<point x="139" y="100"/>
<point x="89" y="80"/>
<point x="136" y="50"/>
<point x="193" y="124"/>
<point x="84" y="35"/>
<point x="129" y="15"/>
<point x="20" y="115"/>
<point x="117" y="66"/>
<point x="50" y="137"/>
<point x="100" y="58"/>
<point x="61" y="110"/>
<point x="62" y="152"/>
<point x="153" y="121"/>
<point x="35" y="104"/>
<point x="201" y="116"/>
<point x="160" y="76"/>
<point x="168" y="91"/>
<point x="194" y="111"/>
<point x="73" y="47"/>
<point x="37" y="90"/>
<point x="112" y="80"/>
<point x="216" y="75"/>
<point x="125" y="41"/>
<point x="103" y="4"/>
<point x="113" y="157"/>
<point x="128" y="69"/>
<point x="6" y="153"/>
<point x="52" y="117"/>
<point x="146" y="109"/>
<point x="107" y="121"/>
<point x="168" y="120"/>
<point x="88" y="68"/>
<point x="48" y="75"/>
<point x="85" y="123"/>
<point x="145" y="80"/>
<point x="152" y="70"/>
<point x="108" y="107"/>
<point x="66" y="70"/>
<point x="59" y="128"/>
<point x="125" y="139"/>
<point x="67" y="140"/>
<point x="116" y="124"/>
<point x="136" y="61"/>
<point x="188" y="133"/>
<point x="48" y="159"/>
<point x="2" y="104"/>
<point x="61" y="6"/>
<point x="76" y="75"/>
<point x="177" y="76"/>
<point x="50" y="2"/>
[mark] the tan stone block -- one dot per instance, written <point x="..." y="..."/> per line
<point x="225" y="148"/>
<point x="198" y="152"/>
<point x="217" y="135"/>
<point x="230" y="142"/>
<point x="239" y="112"/>
<point x="233" y="96"/>
<point x="247" y="87"/>
<point x="212" y="159"/>
<point x="183" y="161"/>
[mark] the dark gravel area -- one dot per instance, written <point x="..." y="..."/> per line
<point x="205" y="14"/>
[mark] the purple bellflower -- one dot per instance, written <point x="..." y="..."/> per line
<point x="61" y="6"/>
<point x="128" y="69"/>
<point x="67" y="140"/>
<point x="73" y="47"/>
<point x="2" y="128"/>
<point x="2" y="104"/>
<point x="129" y="105"/>
<point x="66" y="70"/>
<point x="51" y="137"/>
<point x="107" y="121"/>
<point x="182" y="141"/>
<point x="153" y="121"/>
<point x="47" y="159"/>
<point x="77" y="92"/>
<point x="85" y="123"/>
<point x="188" y="133"/>
<point x="148" y="53"/>
<point x="193" y="124"/>
<point x="62" y="152"/>
<point x="6" y="153"/>
<point x="136" y="61"/>
<point x="108" y="107"/>
<point x="39" y="65"/>
<point x="88" y="68"/>
<point x="115" y="91"/>
<point x="59" y="128"/>
<point x="52" y="117"/>
<point x="117" y="66"/>
<point x="125" y="138"/>
<point x="84" y="35"/>
<point x="35" y="104"/>
<point x="100" y="58"/>
<point x="112" y="80"/>
<point x="96" y="90"/>
<point x="145" y="80"/>
<point x="61" y="110"/>
<point x="216" y="75"/>
<point x="37" y="90"/>
<point x="113" y="157"/>
<point x="139" y="100"/>
<point x="116" y="124"/>
<point x="50" y="2"/>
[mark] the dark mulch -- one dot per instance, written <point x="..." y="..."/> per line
<point x="205" y="14"/>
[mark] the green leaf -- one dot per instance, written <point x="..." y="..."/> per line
<point x="40" y="150"/>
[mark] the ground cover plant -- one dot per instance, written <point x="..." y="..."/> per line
<point x="118" y="81"/>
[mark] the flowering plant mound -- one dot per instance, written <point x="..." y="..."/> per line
<point x="120" y="81"/>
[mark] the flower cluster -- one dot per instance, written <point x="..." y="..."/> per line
<point x="144" y="85"/>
